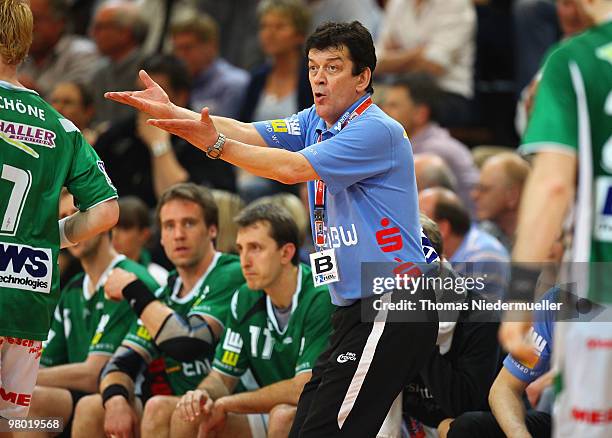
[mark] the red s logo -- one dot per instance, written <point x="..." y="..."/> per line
<point x="389" y="239"/>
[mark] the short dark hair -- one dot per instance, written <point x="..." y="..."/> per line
<point x="453" y="210"/>
<point x="171" y="67"/>
<point x="194" y="193"/>
<point x="133" y="213"/>
<point x="354" y="36"/>
<point x="423" y="90"/>
<point x="283" y="228"/>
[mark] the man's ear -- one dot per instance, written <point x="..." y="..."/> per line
<point x="288" y="250"/>
<point x="363" y="80"/>
<point x="213" y="231"/>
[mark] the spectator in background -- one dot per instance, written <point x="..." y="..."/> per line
<point x="367" y="12"/>
<point x="536" y="28"/>
<point x="74" y="101"/>
<point x="229" y="204"/>
<point x="471" y="251"/>
<point x="216" y="83"/>
<point x="498" y="194"/>
<point x="131" y="234"/>
<point x="280" y="86"/>
<point x="86" y="329"/>
<point x="431" y="171"/>
<point x="436" y="37"/>
<point x="119" y="30"/>
<point x="412" y="100"/>
<point x="238" y="50"/>
<point x="55" y="55"/>
<point x="143" y="160"/>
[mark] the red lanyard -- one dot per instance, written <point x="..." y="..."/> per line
<point x="319" y="185"/>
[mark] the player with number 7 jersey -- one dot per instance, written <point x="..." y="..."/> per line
<point x="40" y="152"/>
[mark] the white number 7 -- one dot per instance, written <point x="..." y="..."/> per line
<point x="21" y="180"/>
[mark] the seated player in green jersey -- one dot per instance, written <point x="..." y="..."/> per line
<point x="278" y="325"/>
<point x="181" y="323"/>
<point x="87" y="328"/>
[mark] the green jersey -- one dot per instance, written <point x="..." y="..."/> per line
<point x="84" y="325"/>
<point x="41" y="152"/>
<point x="210" y="297"/>
<point x="254" y="341"/>
<point x="573" y="113"/>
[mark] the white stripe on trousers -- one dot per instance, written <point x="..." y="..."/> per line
<point x="365" y="362"/>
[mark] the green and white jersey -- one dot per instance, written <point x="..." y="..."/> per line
<point x="84" y="325"/>
<point x="41" y="151"/>
<point x="253" y="341"/>
<point x="573" y="113"/>
<point x="210" y="297"/>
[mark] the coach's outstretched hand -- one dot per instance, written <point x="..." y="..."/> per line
<point x="153" y="100"/>
<point x="201" y="133"/>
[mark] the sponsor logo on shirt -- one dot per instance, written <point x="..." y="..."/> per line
<point x="605" y="52"/>
<point x="100" y="164"/>
<point x="594" y="344"/>
<point x="196" y="368"/>
<point x="592" y="416"/>
<point x="342" y="235"/>
<point x="26" y="268"/>
<point x="17" y="398"/>
<point x="345" y="357"/>
<point x="28" y="134"/>
<point x="539" y="343"/>
<point x="289" y="126"/>
<point x="603" y="209"/>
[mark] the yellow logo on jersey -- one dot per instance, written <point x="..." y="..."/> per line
<point x="230" y="358"/>
<point x="405" y="134"/>
<point x="96" y="338"/>
<point x="19" y="145"/>
<point x="143" y="333"/>
<point x="605" y="52"/>
<point x="279" y="125"/>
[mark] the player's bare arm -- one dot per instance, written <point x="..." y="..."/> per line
<point x="85" y="224"/>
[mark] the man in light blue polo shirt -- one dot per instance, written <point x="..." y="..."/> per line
<point x="365" y="210"/>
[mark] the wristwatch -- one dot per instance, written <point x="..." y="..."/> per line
<point x="160" y="148"/>
<point x="214" y="152"/>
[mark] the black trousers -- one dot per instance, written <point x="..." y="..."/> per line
<point x="366" y="366"/>
<point x="484" y="425"/>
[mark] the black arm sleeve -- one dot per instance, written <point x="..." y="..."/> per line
<point x="125" y="360"/>
<point x="185" y="339"/>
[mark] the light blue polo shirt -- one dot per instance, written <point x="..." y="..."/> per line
<point x="369" y="171"/>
